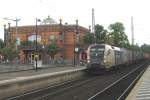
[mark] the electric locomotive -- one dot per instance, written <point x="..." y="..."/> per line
<point x="103" y="57"/>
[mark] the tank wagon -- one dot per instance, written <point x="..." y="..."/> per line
<point x="103" y="57"/>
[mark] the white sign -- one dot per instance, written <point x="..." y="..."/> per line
<point x="76" y="49"/>
<point x="33" y="38"/>
<point x="18" y="41"/>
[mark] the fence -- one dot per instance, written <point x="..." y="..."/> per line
<point x="7" y="66"/>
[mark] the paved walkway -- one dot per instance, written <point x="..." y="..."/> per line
<point x="9" y="67"/>
<point x="18" y="67"/>
<point x="141" y="91"/>
<point x="17" y="74"/>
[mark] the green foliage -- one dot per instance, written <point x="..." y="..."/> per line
<point x="101" y="34"/>
<point x="52" y="50"/>
<point x="145" y="48"/>
<point x="88" y="38"/>
<point x="9" y="53"/>
<point x="135" y="47"/>
<point x="1" y="44"/>
<point x="117" y="27"/>
<point x="26" y="43"/>
<point x="118" y="36"/>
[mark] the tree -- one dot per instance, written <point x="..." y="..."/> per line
<point x="119" y="38"/>
<point x="88" y="38"/>
<point x="145" y="48"/>
<point x="136" y="47"/>
<point x="1" y="44"/>
<point x="52" y="50"/>
<point x="101" y="34"/>
<point x="9" y="53"/>
<point x="26" y="43"/>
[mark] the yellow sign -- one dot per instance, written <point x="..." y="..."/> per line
<point x="36" y="56"/>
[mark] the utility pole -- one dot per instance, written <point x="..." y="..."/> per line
<point x="9" y="35"/>
<point x="61" y="39"/>
<point x="93" y="26"/>
<point x="89" y="28"/>
<point x="132" y="30"/>
<point x="36" y="49"/>
<point x="4" y="35"/>
<point x="76" y="49"/>
<point x="74" y="53"/>
<point x="36" y="45"/>
<point x="16" y="21"/>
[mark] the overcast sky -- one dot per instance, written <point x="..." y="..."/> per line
<point x="106" y="13"/>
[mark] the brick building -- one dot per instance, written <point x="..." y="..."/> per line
<point x="67" y="37"/>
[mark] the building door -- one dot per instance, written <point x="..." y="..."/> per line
<point x="30" y="57"/>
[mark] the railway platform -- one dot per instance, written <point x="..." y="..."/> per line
<point x="20" y="82"/>
<point x="33" y="72"/>
<point x="141" y="90"/>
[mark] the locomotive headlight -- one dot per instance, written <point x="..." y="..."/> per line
<point x="105" y="59"/>
<point x="88" y="61"/>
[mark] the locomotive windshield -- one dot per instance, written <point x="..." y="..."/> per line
<point x="97" y="52"/>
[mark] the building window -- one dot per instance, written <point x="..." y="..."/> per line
<point x="61" y="38"/>
<point x="78" y="38"/>
<point x="53" y="38"/>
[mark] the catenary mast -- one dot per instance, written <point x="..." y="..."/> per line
<point x="93" y="26"/>
<point x="132" y="30"/>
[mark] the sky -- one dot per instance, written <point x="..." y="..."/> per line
<point x="106" y="12"/>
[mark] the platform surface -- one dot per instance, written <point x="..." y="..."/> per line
<point x="141" y="91"/>
<point x="33" y="72"/>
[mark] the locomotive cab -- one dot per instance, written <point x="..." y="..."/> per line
<point x="95" y="61"/>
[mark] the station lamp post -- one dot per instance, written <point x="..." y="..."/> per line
<point x="76" y="49"/>
<point x="36" y="32"/>
<point x="4" y="35"/>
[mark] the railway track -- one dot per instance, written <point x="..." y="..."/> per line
<point x="103" y="87"/>
<point x="41" y="93"/>
<point x="121" y="87"/>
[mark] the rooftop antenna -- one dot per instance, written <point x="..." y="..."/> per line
<point x="93" y="26"/>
